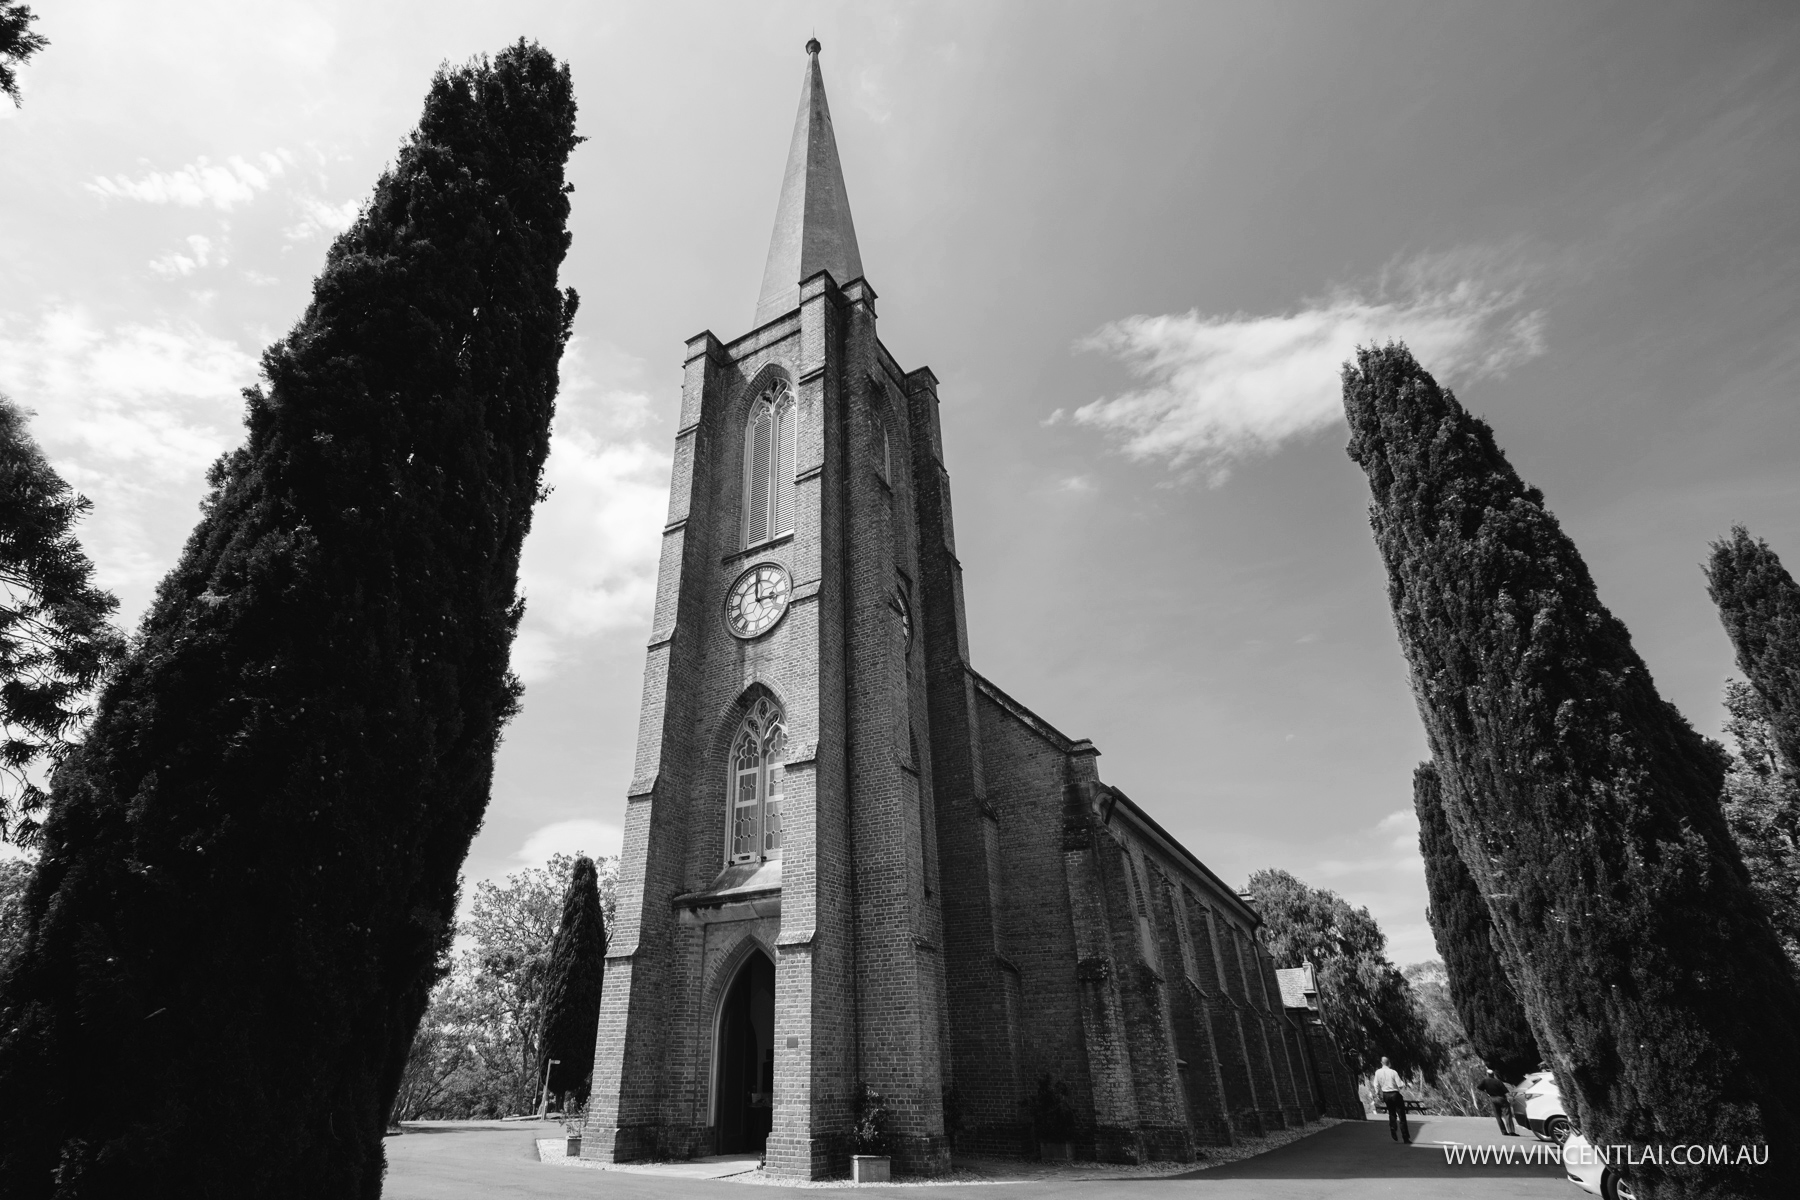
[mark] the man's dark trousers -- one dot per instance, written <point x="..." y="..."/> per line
<point x="1396" y="1111"/>
<point x="1502" y="1114"/>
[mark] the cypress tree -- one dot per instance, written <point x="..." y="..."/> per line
<point x="249" y="870"/>
<point x="572" y="993"/>
<point x="1483" y="998"/>
<point x="1759" y="604"/>
<point x="1584" y="805"/>
<point x="1762" y="810"/>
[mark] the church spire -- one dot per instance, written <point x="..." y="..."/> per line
<point x="813" y="230"/>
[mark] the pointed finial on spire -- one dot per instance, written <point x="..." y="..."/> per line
<point x="813" y="230"/>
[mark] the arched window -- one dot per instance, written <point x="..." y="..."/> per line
<point x="884" y="456"/>
<point x="755" y="783"/>
<point x="769" y="465"/>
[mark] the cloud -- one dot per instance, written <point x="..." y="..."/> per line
<point x="223" y="185"/>
<point x="590" y="564"/>
<point x="580" y="836"/>
<point x="1403" y="826"/>
<point x="1218" y="389"/>
<point x="316" y="217"/>
<point x="131" y="415"/>
<point x="200" y="253"/>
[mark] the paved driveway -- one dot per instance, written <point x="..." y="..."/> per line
<point x="1353" y="1161"/>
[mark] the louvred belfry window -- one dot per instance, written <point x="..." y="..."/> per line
<point x="769" y="466"/>
<point x="756" y="775"/>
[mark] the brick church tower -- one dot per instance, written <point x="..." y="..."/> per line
<point x="777" y="908"/>
<point x="850" y="860"/>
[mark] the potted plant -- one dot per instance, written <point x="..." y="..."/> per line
<point x="1053" y="1120"/>
<point x="573" y="1119"/>
<point x="869" y="1159"/>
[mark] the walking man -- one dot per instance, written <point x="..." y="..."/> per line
<point x="1388" y="1085"/>
<point x="1495" y="1091"/>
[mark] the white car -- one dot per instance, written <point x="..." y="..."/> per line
<point x="1588" y="1170"/>
<point x="1537" y="1104"/>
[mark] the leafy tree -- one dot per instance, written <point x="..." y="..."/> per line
<point x="572" y="991"/>
<point x="445" y="1053"/>
<point x="249" y="869"/>
<point x="1584" y="806"/>
<point x="1365" y="1002"/>
<point x="1760" y="606"/>
<point x="1452" y="1093"/>
<point x="482" y="1030"/>
<point x="514" y="926"/>
<point x="17" y="43"/>
<point x="1488" y="1010"/>
<point x="1762" y="809"/>
<point x="15" y="873"/>
<point x="56" y="636"/>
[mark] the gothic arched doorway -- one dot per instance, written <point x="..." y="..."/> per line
<point x="746" y="1067"/>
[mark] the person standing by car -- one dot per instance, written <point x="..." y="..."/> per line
<point x="1495" y="1091"/>
<point x="1390" y="1087"/>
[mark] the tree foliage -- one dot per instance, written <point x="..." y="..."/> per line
<point x="14" y="875"/>
<point x="572" y="988"/>
<point x="56" y="636"/>
<point x="1759" y="604"/>
<point x="1364" y="1000"/>
<point x="249" y="869"/>
<point x="1762" y="809"/>
<point x="1452" y="1093"/>
<point x="1584" y="806"/>
<point x="1487" y="1008"/>
<point x="477" y="1050"/>
<point x="18" y="42"/>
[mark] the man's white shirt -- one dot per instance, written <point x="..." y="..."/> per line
<point x="1388" y="1080"/>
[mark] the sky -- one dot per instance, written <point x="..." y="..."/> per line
<point x="1134" y="241"/>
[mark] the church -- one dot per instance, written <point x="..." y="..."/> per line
<point x="850" y="860"/>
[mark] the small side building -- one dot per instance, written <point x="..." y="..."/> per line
<point x="1333" y="1082"/>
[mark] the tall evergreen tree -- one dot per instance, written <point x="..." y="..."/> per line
<point x="56" y="633"/>
<point x="249" y="869"/>
<point x="1584" y="806"/>
<point x="1762" y="809"/>
<point x="1760" y="606"/>
<point x="572" y="993"/>
<point x="1491" y="1015"/>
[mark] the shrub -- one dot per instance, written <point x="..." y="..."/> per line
<point x="869" y="1133"/>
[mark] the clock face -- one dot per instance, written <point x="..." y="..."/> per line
<point x="757" y="600"/>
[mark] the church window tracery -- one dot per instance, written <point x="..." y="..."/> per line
<point x="756" y="782"/>
<point x="769" y="436"/>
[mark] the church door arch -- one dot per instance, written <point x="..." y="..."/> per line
<point x="744" y="1073"/>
